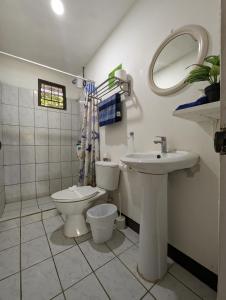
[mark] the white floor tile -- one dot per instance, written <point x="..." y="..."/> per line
<point x="59" y="297"/>
<point x="30" y="219"/>
<point x="9" y="261"/>
<point x="47" y="206"/>
<point x="58" y="242"/>
<point x="118" y="242"/>
<point x="40" y="282"/>
<point x="34" y="251"/>
<point x="130" y="259"/>
<point x="44" y="200"/>
<point x="193" y="283"/>
<point x="10" y="215"/>
<point x="83" y="238"/>
<point x="149" y="297"/>
<point x="96" y="254"/>
<point x="14" y="206"/>
<point x="10" y="288"/>
<point x="71" y="266"/>
<point x="10" y="224"/>
<point x="29" y="203"/>
<point x="87" y="289"/>
<point x="32" y="231"/>
<point x="9" y="238"/>
<point x="49" y="214"/>
<point x="171" y="289"/>
<point x="131" y="234"/>
<point x="53" y="224"/>
<point x="119" y="282"/>
<point x="29" y="211"/>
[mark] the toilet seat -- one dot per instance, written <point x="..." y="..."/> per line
<point x="76" y="194"/>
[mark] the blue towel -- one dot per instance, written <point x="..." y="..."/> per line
<point x="110" y="110"/>
<point x="200" y="101"/>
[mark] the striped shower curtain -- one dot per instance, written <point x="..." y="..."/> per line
<point x="90" y="141"/>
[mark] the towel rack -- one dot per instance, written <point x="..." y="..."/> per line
<point x="118" y="86"/>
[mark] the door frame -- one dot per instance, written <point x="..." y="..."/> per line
<point x="222" y="205"/>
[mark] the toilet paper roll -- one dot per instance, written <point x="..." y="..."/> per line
<point x="121" y="74"/>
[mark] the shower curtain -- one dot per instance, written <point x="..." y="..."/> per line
<point x="90" y="141"/>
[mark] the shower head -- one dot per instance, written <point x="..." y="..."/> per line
<point x="81" y="82"/>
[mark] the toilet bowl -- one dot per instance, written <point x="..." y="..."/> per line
<point x="74" y="202"/>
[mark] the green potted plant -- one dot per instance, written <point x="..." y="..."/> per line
<point x="208" y="71"/>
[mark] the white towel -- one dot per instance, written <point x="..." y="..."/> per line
<point x="83" y="191"/>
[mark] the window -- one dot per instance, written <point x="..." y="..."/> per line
<point x="51" y="94"/>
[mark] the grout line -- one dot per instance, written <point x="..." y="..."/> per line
<point x="135" y="243"/>
<point x="78" y="281"/>
<point x="48" y="149"/>
<point x="53" y="259"/>
<point x="21" y="288"/>
<point x="185" y="285"/>
<point x="93" y="270"/>
<point x="9" y="275"/>
<point x="14" y="218"/>
<point x="37" y="263"/>
<point x="146" y="295"/>
<point x="37" y="237"/>
<point x="17" y="245"/>
<point x="127" y="267"/>
<point x="115" y="256"/>
<point x="56" y="296"/>
<point x="120" y="252"/>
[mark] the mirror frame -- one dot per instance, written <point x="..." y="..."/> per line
<point x="198" y="33"/>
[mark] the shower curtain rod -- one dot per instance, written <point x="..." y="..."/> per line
<point x="47" y="67"/>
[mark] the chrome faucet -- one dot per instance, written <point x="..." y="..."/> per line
<point x="163" y="143"/>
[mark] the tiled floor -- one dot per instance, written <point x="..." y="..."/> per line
<point x="28" y="207"/>
<point x="37" y="262"/>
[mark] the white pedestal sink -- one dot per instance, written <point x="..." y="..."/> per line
<point x="153" y="169"/>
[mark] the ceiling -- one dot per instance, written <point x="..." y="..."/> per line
<point x="31" y="30"/>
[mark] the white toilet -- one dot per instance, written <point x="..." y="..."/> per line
<point x="73" y="202"/>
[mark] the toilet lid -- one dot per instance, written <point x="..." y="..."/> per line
<point x="75" y="193"/>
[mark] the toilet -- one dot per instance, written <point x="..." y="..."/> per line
<point x="74" y="201"/>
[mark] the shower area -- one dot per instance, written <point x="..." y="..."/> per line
<point x="38" y="152"/>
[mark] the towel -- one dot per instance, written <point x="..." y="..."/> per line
<point x="83" y="192"/>
<point x="110" y="110"/>
<point x="200" y="101"/>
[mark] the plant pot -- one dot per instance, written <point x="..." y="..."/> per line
<point x="213" y="92"/>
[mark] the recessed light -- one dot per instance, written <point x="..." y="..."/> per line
<point x="57" y="7"/>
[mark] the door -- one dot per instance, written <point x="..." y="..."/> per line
<point x="222" y="206"/>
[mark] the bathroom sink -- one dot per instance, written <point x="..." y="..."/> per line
<point x="152" y="169"/>
<point x="156" y="162"/>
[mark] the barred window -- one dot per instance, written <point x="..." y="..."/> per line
<point x="51" y="94"/>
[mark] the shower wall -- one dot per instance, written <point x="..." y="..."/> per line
<point x="2" y="192"/>
<point x="39" y="145"/>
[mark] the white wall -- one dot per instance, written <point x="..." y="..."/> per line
<point x="193" y="199"/>
<point x="23" y="74"/>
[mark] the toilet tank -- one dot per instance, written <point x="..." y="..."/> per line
<point x="107" y="175"/>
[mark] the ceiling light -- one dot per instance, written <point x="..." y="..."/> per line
<point x="57" y="7"/>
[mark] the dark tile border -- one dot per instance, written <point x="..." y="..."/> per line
<point x="199" y="271"/>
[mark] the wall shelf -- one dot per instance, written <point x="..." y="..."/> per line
<point x="201" y="113"/>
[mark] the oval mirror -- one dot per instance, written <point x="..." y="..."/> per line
<point x="186" y="46"/>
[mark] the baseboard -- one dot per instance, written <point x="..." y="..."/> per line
<point x="199" y="271"/>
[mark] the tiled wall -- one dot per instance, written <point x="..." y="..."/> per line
<point x="39" y="153"/>
<point x="2" y="193"/>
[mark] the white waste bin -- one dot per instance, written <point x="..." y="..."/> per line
<point x="101" y="219"/>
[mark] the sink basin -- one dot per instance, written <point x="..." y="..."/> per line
<point x="156" y="162"/>
<point x="153" y="169"/>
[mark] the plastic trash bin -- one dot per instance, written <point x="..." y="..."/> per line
<point x="101" y="219"/>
